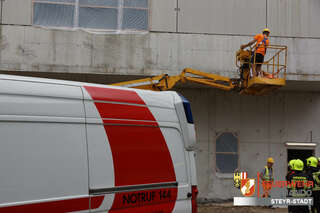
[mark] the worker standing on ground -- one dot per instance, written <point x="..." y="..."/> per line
<point x="262" y="42"/>
<point x="298" y="190"/>
<point x="313" y="172"/>
<point x="267" y="177"/>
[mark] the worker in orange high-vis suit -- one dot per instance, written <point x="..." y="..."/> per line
<point x="267" y="177"/>
<point x="262" y="42"/>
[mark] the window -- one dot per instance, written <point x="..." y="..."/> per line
<point x="226" y="153"/>
<point x="98" y="14"/>
<point x="57" y="13"/>
<point x="92" y="14"/>
<point x="135" y="14"/>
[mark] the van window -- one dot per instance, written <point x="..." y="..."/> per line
<point x="226" y="152"/>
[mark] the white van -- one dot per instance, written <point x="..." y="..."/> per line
<point x="78" y="147"/>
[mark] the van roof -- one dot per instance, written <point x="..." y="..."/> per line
<point x="40" y="80"/>
<point x="81" y="84"/>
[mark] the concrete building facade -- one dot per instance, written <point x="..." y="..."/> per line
<point x="203" y="35"/>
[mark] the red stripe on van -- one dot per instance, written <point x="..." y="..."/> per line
<point x="114" y="95"/>
<point x="130" y="123"/>
<point x="122" y="111"/>
<point x="140" y="154"/>
<point x="59" y="206"/>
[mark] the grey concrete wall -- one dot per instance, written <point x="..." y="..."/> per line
<point x="291" y="18"/>
<point x="51" y="50"/>
<point x="244" y="17"/>
<point x="163" y="15"/>
<point x="17" y="12"/>
<point x="263" y="125"/>
<point x="294" y="18"/>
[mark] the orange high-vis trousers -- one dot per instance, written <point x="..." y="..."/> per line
<point x="267" y="185"/>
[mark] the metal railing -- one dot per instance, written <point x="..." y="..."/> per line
<point x="276" y="65"/>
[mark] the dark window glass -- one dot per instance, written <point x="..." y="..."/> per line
<point x="136" y="3"/>
<point x="94" y="14"/>
<point x="135" y="19"/>
<point x="105" y="3"/>
<point x="98" y="18"/>
<point x="226" y="163"/>
<point x="60" y="1"/>
<point x="58" y="15"/>
<point x="227" y="142"/>
<point x="226" y="153"/>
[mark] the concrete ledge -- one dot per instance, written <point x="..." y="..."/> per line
<point x="28" y="48"/>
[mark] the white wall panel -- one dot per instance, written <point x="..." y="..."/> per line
<point x="294" y="18"/>
<point x="222" y="16"/>
<point x="17" y="12"/>
<point x="163" y="15"/>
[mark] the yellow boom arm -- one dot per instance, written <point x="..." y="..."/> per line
<point x="250" y="83"/>
<point x="166" y="82"/>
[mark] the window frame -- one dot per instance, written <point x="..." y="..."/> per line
<point x="77" y="6"/>
<point x="95" y="6"/>
<point x="138" y="8"/>
<point x="226" y="174"/>
<point x="50" y="2"/>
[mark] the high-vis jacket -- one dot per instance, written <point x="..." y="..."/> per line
<point x="267" y="174"/>
<point x="262" y="43"/>
<point x="315" y="174"/>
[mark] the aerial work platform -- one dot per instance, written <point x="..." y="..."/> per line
<point x="272" y="76"/>
<point x="263" y="86"/>
<point x="250" y="82"/>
